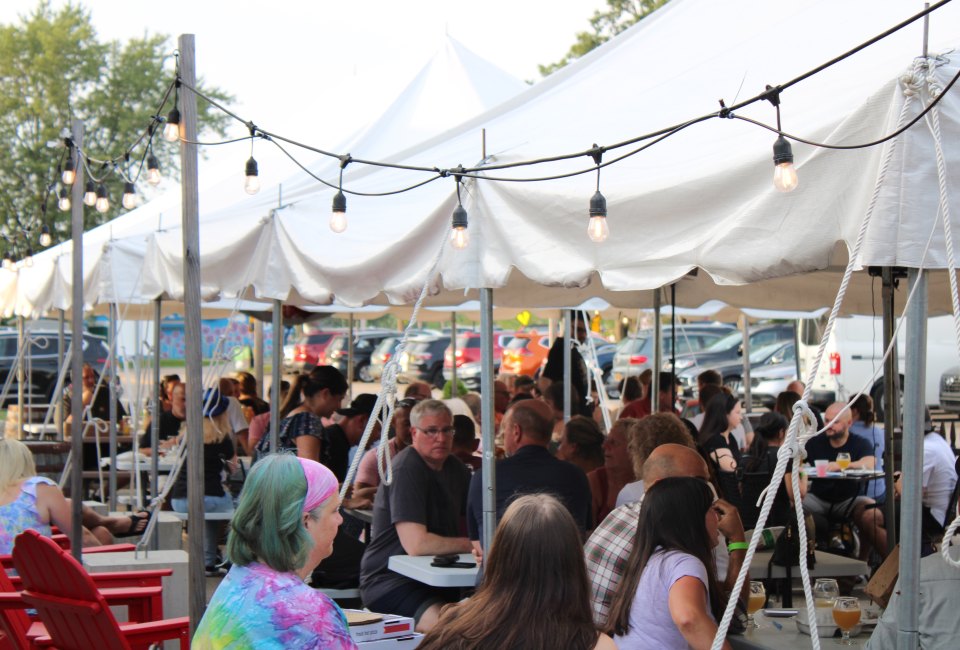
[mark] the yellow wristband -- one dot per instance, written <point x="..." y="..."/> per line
<point x="737" y="546"/>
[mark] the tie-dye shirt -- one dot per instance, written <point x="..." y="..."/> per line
<point x="17" y="516"/>
<point x="257" y="607"/>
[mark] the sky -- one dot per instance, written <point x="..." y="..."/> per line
<point x="319" y="70"/>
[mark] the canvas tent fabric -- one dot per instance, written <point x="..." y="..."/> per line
<point x="702" y="199"/>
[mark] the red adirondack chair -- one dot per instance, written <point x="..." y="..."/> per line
<point x="6" y="561"/>
<point x="77" y="616"/>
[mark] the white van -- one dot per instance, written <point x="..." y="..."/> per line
<point x="855" y="353"/>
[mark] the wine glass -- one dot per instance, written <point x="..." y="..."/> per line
<point x="843" y="460"/>
<point x="846" y="614"/>
<point x="825" y="592"/>
<point x="758" y="598"/>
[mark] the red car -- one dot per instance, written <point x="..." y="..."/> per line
<point x="310" y="348"/>
<point x="468" y="357"/>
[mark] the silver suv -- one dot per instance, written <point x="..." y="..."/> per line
<point x="635" y="353"/>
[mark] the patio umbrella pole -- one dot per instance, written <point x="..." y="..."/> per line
<point x="350" y="364"/>
<point x="488" y="476"/>
<point x="891" y="407"/>
<point x="191" y="326"/>
<point x="258" y="355"/>
<point x="745" y="380"/>
<point x="277" y="324"/>
<point x="913" y="429"/>
<point x="61" y="347"/>
<point x="155" y="418"/>
<point x="567" y="363"/>
<point x="76" y="356"/>
<point x="21" y="373"/>
<point x="112" y="342"/>
<point x="453" y="354"/>
<point x="657" y="353"/>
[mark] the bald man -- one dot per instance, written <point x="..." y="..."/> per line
<point x="609" y="546"/>
<point x="529" y="468"/>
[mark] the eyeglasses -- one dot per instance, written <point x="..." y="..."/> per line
<point x="433" y="432"/>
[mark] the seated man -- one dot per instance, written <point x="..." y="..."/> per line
<point x="608" y="548"/>
<point x="529" y="468"/>
<point x="417" y="514"/>
<point x="345" y="432"/>
<point x="837" y="499"/>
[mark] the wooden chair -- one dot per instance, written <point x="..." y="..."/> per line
<point x="77" y="616"/>
<point x="6" y="561"/>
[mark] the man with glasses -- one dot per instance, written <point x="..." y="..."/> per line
<point x="579" y="378"/>
<point x="417" y="514"/>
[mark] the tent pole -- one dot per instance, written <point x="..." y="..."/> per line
<point x="453" y="354"/>
<point x="112" y="425"/>
<point x="657" y="354"/>
<point x="258" y="355"/>
<point x="673" y="343"/>
<point x="745" y="381"/>
<point x="796" y="348"/>
<point x="891" y="407"/>
<point x="913" y="430"/>
<point x="191" y="323"/>
<point x="76" y="356"/>
<point x="277" y="324"/>
<point x="488" y="476"/>
<point x="155" y="417"/>
<point x="61" y="348"/>
<point x="350" y="358"/>
<point x="21" y="374"/>
<point x="567" y="363"/>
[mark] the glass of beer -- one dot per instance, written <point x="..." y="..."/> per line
<point x="758" y="598"/>
<point x="846" y="614"/>
<point x="843" y="460"/>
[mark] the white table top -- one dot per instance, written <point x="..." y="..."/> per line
<point x="125" y="462"/>
<point x="829" y="565"/>
<point x="788" y="637"/>
<point x="851" y="475"/>
<point x="418" y="568"/>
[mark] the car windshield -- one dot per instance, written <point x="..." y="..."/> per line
<point x="319" y="338"/>
<point x="729" y="341"/>
<point x="761" y="354"/>
<point x="468" y="341"/>
<point x="518" y="343"/>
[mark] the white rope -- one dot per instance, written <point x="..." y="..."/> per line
<point x="593" y="366"/>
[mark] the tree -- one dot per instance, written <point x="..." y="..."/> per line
<point x="606" y="24"/>
<point x="53" y="68"/>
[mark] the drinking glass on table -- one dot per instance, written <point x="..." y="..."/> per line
<point x="825" y="594"/>
<point x="758" y="598"/>
<point x="846" y="614"/>
<point x="843" y="460"/>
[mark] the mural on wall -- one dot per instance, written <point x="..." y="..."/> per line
<point x="238" y="331"/>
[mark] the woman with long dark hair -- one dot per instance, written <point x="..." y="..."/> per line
<point x="722" y="416"/>
<point x="669" y="596"/>
<point x="534" y="592"/>
<point x="862" y="416"/>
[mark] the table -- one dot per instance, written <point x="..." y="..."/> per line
<point x="40" y="431"/>
<point x="418" y="568"/>
<point x="788" y="637"/>
<point x="851" y="475"/>
<point x="828" y="565"/>
<point x="125" y="462"/>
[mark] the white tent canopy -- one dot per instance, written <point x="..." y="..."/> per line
<point x="701" y="199"/>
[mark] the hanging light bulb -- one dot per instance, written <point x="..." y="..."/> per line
<point x="129" y="200"/>
<point x="171" y="130"/>
<point x="90" y="194"/>
<point x="459" y="236"/>
<point x="153" y="170"/>
<point x="64" y="201"/>
<point x="597" y="228"/>
<point x="251" y="185"/>
<point x="28" y="260"/>
<point x="45" y="238"/>
<point x="103" y="201"/>
<point x="784" y="173"/>
<point x="7" y="262"/>
<point x="69" y="172"/>
<point x="338" y="214"/>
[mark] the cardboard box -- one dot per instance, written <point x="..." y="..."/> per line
<point x="365" y="626"/>
<point x="398" y="643"/>
<point x="884" y="579"/>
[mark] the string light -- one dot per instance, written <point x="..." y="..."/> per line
<point x="338" y="211"/>
<point x="45" y="238"/>
<point x="28" y="260"/>
<point x="129" y="200"/>
<point x="459" y="235"/>
<point x="597" y="228"/>
<point x="153" y="170"/>
<point x="784" y="173"/>
<point x="90" y="194"/>
<point x="103" y="201"/>
<point x="7" y="262"/>
<point x="171" y="130"/>
<point x="69" y="172"/>
<point x="64" y="201"/>
<point x="251" y="184"/>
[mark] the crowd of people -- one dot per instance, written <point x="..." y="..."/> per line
<point x="629" y="538"/>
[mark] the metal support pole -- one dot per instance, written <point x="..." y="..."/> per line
<point x="277" y="323"/>
<point x="21" y="373"/>
<point x="258" y="356"/>
<point x="453" y="354"/>
<point x="191" y="326"/>
<point x="112" y="392"/>
<point x="76" y="355"/>
<point x="913" y="429"/>
<point x="567" y="363"/>
<point x="796" y="348"/>
<point x="350" y="364"/>
<point x="891" y="409"/>
<point x="488" y="476"/>
<point x="745" y="382"/>
<point x="155" y="418"/>
<point x="657" y="354"/>
<point x="61" y="350"/>
<point x="673" y="343"/>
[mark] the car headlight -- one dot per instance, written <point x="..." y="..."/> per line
<point x="681" y="364"/>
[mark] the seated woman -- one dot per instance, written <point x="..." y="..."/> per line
<point x="582" y="444"/>
<point x="31" y="501"/>
<point x="758" y="465"/>
<point x="617" y="470"/>
<point x="284" y="526"/>
<point x="722" y="416"/>
<point x="94" y="395"/>
<point x="669" y="597"/>
<point x="534" y="592"/>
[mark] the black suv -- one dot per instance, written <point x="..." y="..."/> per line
<point x="41" y="360"/>
<point x="423" y="359"/>
<point x="337" y="352"/>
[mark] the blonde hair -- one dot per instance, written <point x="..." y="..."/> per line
<point x="16" y="462"/>
<point x="215" y="428"/>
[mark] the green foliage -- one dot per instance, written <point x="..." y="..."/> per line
<point x="53" y="69"/>
<point x="620" y="15"/>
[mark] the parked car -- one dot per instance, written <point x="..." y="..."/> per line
<point x="310" y="348"/>
<point x="727" y="350"/>
<point x="382" y="353"/>
<point x="773" y="356"/>
<point x="468" y="357"/>
<point x="423" y="359"/>
<point x="950" y="390"/>
<point x="43" y="362"/>
<point x="525" y="353"/>
<point x="337" y="352"/>
<point x="769" y="382"/>
<point x="635" y="353"/>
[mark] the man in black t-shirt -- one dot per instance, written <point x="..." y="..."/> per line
<point x="837" y="499"/>
<point x="417" y="514"/>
